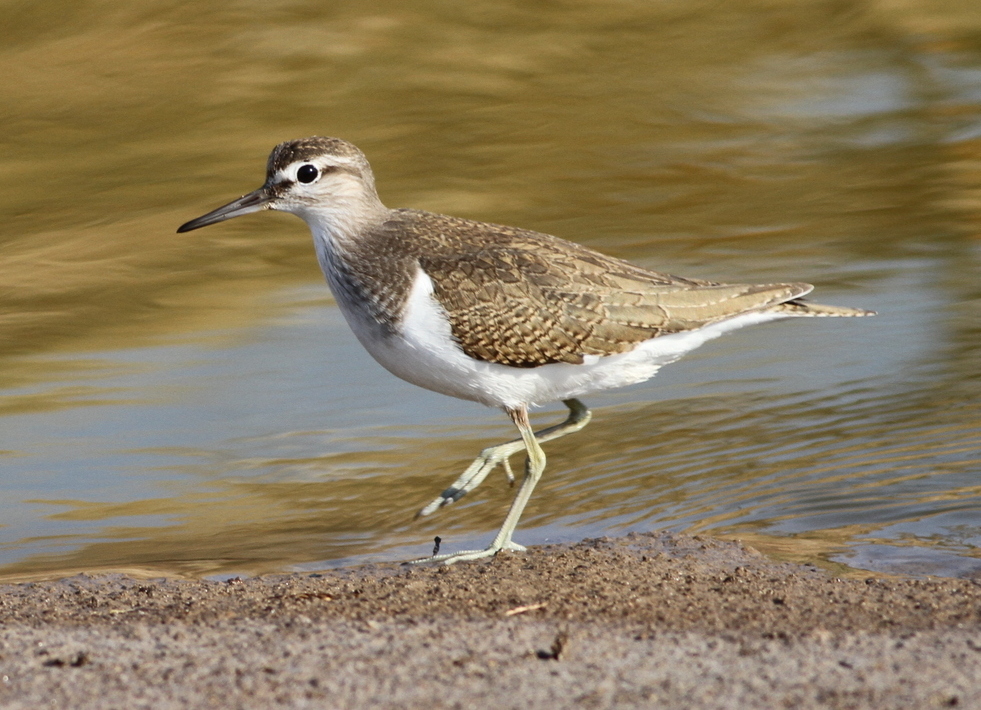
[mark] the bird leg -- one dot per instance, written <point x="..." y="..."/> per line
<point x="578" y="417"/>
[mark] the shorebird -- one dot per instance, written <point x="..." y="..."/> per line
<point x="499" y="315"/>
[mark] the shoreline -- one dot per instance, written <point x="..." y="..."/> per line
<point x="668" y="620"/>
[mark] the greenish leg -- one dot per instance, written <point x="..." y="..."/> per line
<point x="579" y="416"/>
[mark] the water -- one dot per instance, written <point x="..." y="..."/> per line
<point x="194" y="404"/>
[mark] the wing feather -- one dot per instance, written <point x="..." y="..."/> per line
<point x="525" y="299"/>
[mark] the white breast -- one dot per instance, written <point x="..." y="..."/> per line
<point x="426" y="355"/>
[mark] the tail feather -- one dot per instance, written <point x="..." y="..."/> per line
<point x="805" y="308"/>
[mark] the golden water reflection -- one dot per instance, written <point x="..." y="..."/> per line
<point x="194" y="405"/>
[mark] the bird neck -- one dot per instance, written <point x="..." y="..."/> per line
<point x="341" y="221"/>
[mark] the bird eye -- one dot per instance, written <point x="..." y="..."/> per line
<point x="307" y="173"/>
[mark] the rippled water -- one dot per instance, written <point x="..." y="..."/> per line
<point x="194" y="404"/>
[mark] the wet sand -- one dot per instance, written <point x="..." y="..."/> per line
<point x="641" y="621"/>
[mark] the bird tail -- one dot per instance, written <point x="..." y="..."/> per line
<point x="800" y="307"/>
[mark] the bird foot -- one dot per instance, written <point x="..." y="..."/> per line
<point x="467" y="555"/>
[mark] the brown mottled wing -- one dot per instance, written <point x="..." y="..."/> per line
<point x="526" y="299"/>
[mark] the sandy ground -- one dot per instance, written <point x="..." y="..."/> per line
<point x="642" y="621"/>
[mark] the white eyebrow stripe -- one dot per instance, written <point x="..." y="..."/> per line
<point x="289" y="172"/>
<point x="338" y="160"/>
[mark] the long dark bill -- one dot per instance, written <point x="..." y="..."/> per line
<point x="247" y="204"/>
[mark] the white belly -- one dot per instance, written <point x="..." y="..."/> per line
<point x="426" y="355"/>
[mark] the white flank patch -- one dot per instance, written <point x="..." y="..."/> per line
<point x="427" y="356"/>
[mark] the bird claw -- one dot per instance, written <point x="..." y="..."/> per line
<point x="468" y="555"/>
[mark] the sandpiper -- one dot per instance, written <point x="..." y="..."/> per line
<point x="499" y="315"/>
